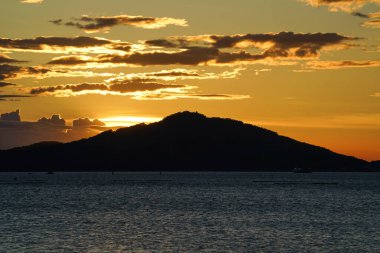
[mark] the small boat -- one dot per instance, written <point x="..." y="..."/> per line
<point x="50" y="172"/>
<point x="302" y="170"/>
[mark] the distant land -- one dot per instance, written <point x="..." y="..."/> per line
<point x="185" y="141"/>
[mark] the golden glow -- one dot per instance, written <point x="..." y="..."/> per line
<point x="124" y="121"/>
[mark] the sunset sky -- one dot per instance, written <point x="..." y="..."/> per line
<point x="307" y="69"/>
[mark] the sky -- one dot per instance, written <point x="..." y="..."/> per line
<point x="307" y="69"/>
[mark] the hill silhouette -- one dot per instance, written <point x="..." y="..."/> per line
<point x="183" y="141"/>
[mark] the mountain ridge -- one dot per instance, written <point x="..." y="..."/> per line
<point x="184" y="141"/>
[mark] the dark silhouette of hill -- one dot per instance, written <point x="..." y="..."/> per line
<point x="183" y="141"/>
<point x="376" y="164"/>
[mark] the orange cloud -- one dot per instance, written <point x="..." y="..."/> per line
<point x="372" y="23"/>
<point x="342" y="64"/>
<point x="340" y="5"/>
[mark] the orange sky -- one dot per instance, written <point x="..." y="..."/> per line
<point x="307" y="69"/>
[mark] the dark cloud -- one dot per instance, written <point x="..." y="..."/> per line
<point x="56" y="21"/>
<point x="342" y="64"/>
<point x="6" y="59"/>
<point x="71" y="87"/>
<point x="55" y="120"/>
<point x="283" y="44"/>
<point x="86" y="122"/>
<point x="3" y="96"/>
<point x="61" y="43"/>
<point x="105" y="23"/>
<point x="360" y="15"/>
<point x="10" y="71"/>
<point x="120" y="86"/>
<point x="5" y="84"/>
<point x="15" y="133"/>
<point x="216" y="49"/>
<point x="283" y="40"/>
<point x="192" y="57"/>
<point x="11" y="116"/>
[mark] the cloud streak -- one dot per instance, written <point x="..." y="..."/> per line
<point x="32" y="1"/>
<point x="372" y="23"/>
<point x="12" y="97"/>
<point x="105" y="23"/>
<point x="6" y="59"/>
<point x="183" y="74"/>
<point x="341" y="5"/>
<point x="64" y="45"/>
<point x="342" y="64"/>
<point x="11" y="71"/>
<point x="5" y="84"/>
<point x="132" y="86"/>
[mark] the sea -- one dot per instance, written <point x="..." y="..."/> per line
<point x="190" y="212"/>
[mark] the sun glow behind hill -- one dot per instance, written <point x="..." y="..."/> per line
<point x="125" y="121"/>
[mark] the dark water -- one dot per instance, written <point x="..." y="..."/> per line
<point x="215" y="212"/>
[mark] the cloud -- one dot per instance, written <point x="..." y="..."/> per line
<point x="7" y="59"/>
<point x="274" y="44"/>
<point x="11" y="116"/>
<point x="32" y="1"/>
<point x="105" y="23"/>
<point x="86" y="122"/>
<point x="216" y="50"/>
<point x="341" y="5"/>
<point x="14" y="132"/>
<point x="286" y="39"/>
<point x="10" y="71"/>
<point x="360" y="15"/>
<point x="371" y="23"/>
<point x="55" y="120"/>
<point x="191" y="57"/>
<point x="71" y="60"/>
<point x="5" y="84"/>
<point x="374" y="15"/>
<point x="137" y="88"/>
<point x="70" y="87"/>
<point x="16" y="72"/>
<point x="116" y="86"/>
<point x="173" y="96"/>
<point x="64" y="45"/>
<point x="342" y="64"/>
<point x="183" y="74"/>
<point x="12" y="97"/>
